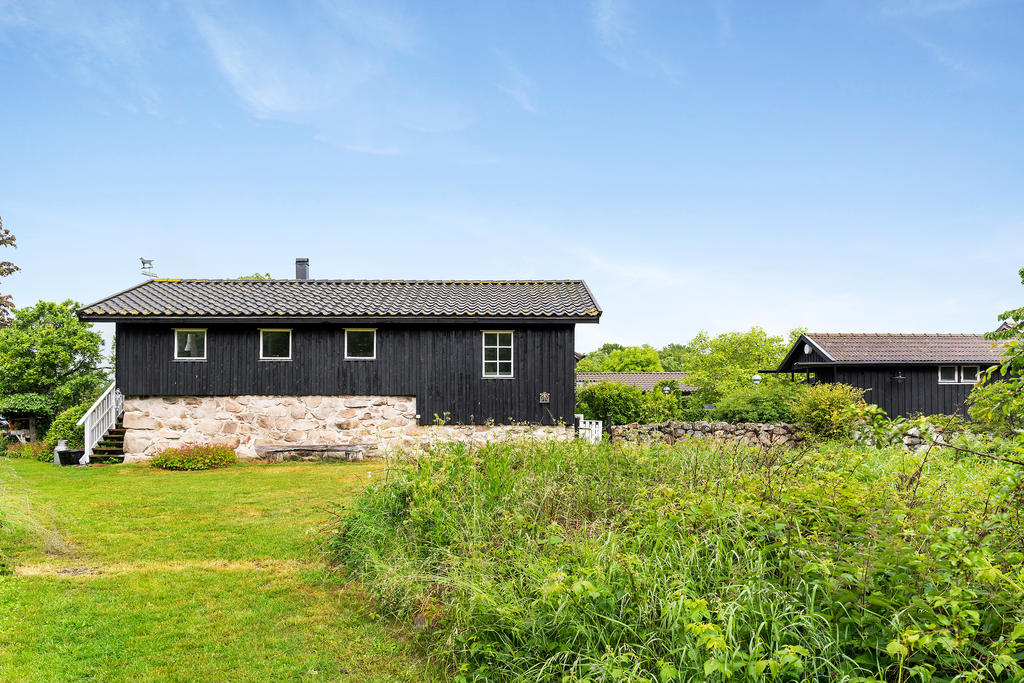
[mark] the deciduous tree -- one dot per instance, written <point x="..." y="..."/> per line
<point x="6" y="268"/>
<point x="48" y="352"/>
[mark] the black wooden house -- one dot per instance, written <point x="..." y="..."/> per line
<point x="901" y="373"/>
<point x="478" y="351"/>
<point x="386" y="354"/>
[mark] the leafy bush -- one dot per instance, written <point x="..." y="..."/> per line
<point x="194" y="457"/>
<point x="576" y="562"/>
<point x="772" y="403"/>
<point x="64" y="427"/>
<point x="624" y="403"/>
<point x="34" y="450"/>
<point x="998" y="407"/>
<point x="620" y="402"/>
<point x="824" y="409"/>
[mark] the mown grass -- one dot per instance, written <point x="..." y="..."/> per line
<point x="566" y="562"/>
<point x="133" y="573"/>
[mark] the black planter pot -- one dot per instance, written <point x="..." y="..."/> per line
<point x="70" y="457"/>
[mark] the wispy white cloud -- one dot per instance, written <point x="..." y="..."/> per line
<point x="611" y="21"/>
<point x="275" y="74"/>
<point x="954" y="63"/>
<point x="617" y="29"/>
<point x="346" y="70"/>
<point x="723" y="15"/>
<point x="924" y="8"/>
<point x="104" y="46"/>
<point x="518" y="86"/>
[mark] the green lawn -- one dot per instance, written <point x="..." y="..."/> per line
<point x="133" y="573"/>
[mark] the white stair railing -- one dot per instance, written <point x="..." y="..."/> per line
<point x="100" y="417"/>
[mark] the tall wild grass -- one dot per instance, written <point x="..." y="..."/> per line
<point x="569" y="562"/>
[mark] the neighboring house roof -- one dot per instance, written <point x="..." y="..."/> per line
<point x="644" y="381"/>
<point x="167" y="299"/>
<point x="899" y="348"/>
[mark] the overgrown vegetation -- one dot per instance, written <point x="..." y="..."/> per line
<point x="825" y="409"/>
<point x="194" y="457"/>
<point x="574" y="562"/>
<point x="33" y="450"/>
<point x="65" y="426"/>
<point x="772" y="403"/>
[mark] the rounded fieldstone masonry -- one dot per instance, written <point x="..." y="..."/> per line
<point x="745" y="432"/>
<point x="247" y="424"/>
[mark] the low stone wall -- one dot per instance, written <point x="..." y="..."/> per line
<point x="745" y="432"/>
<point x="256" y="425"/>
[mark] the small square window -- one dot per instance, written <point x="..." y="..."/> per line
<point x="275" y="344"/>
<point x="190" y="344"/>
<point x="947" y="374"/>
<point x="360" y="344"/>
<point x="498" y="354"/>
<point x="969" y="374"/>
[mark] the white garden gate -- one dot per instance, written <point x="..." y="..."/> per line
<point x="590" y="430"/>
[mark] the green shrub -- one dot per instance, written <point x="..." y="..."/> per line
<point x="772" y="403"/>
<point x="34" y="450"/>
<point x="620" y="402"/>
<point x="624" y="403"/>
<point x="64" y="427"/>
<point x="194" y="457"/>
<point x="998" y="407"/>
<point x="824" y="409"/>
<point x="573" y="562"/>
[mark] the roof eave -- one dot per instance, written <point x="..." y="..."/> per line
<point x="291" y="319"/>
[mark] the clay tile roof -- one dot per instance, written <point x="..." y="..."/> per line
<point x="644" y="381"/>
<point x="910" y="348"/>
<point x="513" y="299"/>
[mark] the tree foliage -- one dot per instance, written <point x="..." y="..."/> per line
<point x="632" y="359"/>
<point x="673" y="357"/>
<point x="726" y="363"/>
<point x="255" y="276"/>
<point x="6" y="268"/>
<point x="594" y="361"/>
<point x="1002" y="408"/>
<point x="47" y="351"/>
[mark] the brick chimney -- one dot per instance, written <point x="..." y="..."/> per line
<point x="302" y="269"/>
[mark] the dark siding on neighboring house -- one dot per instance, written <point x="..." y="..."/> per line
<point x="920" y="392"/>
<point x="438" y="364"/>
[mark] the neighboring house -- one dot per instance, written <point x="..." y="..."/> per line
<point x="901" y="373"/>
<point x="256" y="364"/>
<point x="644" y="381"/>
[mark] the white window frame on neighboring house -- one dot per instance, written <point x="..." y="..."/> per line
<point x="276" y="329"/>
<point x="176" y="330"/>
<point x="511" y="358"/>
<point x="361" y="329"/>
<point x="977" y="373"/>
<point x="956" y="375"/>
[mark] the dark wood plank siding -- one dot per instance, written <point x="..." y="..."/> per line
<point x="441" y="365"/>
<point x="920" y="392"/>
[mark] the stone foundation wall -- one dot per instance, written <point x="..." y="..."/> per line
<point x="248" y="424"/>
<point x="746" y="432"/>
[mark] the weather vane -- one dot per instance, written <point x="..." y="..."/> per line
<point x="147" y="267"/>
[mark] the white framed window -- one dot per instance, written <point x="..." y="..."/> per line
<point x="969" y="373"/>
<point x="497" y="354"/>
<point x="275" y="344"/>
<point x="948" y="374"/>
<point x="189" y="344"/>
<point x="360" y="344"/>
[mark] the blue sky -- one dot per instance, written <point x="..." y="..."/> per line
<point x="715" y="164"/>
